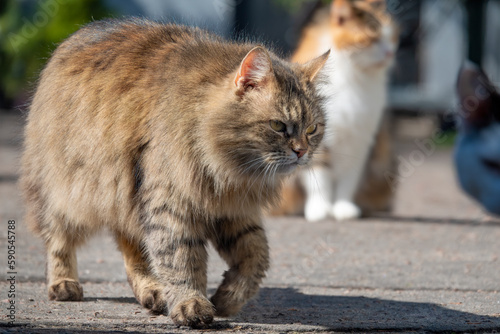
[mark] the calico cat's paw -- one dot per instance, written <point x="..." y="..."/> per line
<point x="66" y="290"/>
<point x="344" y="210"/>
<point x="316" y="210"/>
<point x="196" y="312"/>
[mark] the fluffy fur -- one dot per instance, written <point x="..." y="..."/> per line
<point x="170" y="137"/>
<point x="363" y="40"/>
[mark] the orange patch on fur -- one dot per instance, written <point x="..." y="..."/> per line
<point x="353" y="24"/>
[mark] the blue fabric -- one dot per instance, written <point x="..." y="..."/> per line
<point x="476" y="153"/>
<point x="477" y="150"/>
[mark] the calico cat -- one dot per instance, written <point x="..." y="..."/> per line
<point x="477" y="150"/>
<point x="170" y="137"/>
<point x="363" y="39"/>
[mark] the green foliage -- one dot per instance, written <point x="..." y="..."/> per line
<point x="30" y="31"/>
<point x="449" y="138"/>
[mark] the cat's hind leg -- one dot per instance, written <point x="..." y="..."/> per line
<point x="62" y="273"/>
<point x="60" y="241"/>
<point x="147" y="289"/>
<point x="243" y="245"/>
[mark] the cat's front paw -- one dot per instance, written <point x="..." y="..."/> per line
<point x="344" y="210"/>
<point x="154" y="300"/>
<point x="196" y="312"/>
<point x="227" y="302"/>
<point x="66" y="290"/>
<point x="316" y="209"/>
<point x="234" y="292"/>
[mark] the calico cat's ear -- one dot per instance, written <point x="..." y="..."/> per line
<point x="312" y="67"/>
<point x="479" y="101"/>
<point x="254" y="69"/>
<point x="341" y="11"/>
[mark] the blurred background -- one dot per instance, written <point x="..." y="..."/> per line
<point x="436" y="36"/>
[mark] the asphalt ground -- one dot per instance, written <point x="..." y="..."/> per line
<point x="432" y="265"/>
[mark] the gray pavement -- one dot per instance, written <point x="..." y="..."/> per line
<point x="432" y="265"/>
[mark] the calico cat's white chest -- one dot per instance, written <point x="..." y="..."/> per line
<point x="355" y="100"/>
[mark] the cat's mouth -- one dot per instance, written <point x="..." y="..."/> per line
<point x="492" y="165"/>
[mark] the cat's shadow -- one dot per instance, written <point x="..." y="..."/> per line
<point x="119" y="300"/>
<point x="288" y="308"/>
<point x="484" y="219"/>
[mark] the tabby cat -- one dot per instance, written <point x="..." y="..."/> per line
<point x="170" y="137"/>
<point x="363" y="39"/>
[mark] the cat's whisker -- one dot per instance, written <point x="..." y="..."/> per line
<point x="339" y="154"/>
<point x="264" y="181"/>
<point x="254" y="180"/>
<point x="256" y="165"/>
<point x="313" y="176"/>
<point x="251" y="161"/>
<point x="273" y="176"/>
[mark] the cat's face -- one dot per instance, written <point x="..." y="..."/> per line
<point x="365" y="31"/>
<point x="274" y="122"/>
<point x="477" y="152"/>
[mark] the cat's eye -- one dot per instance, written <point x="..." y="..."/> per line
<point x="277" y="126"/>
<point x="311" y="129"/>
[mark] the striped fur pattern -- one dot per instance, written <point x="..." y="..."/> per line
<point x="170" y="137"/>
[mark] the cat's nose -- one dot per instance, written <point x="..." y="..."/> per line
<point x="299" y="151"/>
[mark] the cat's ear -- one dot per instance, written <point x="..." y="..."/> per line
<point x="341" y="11"/>
<point x="255" y="69"/>
<point x="479" y="100"/>
<point x="312" y="67"/>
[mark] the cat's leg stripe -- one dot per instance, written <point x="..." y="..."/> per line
<point x="170" y="249"/>
<point x="227" y="243"/>
<point x="193" y="242"/>
<point x="166" y="209"/>
<point x="152" y="226"/>
<point x="167" y="264"/>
